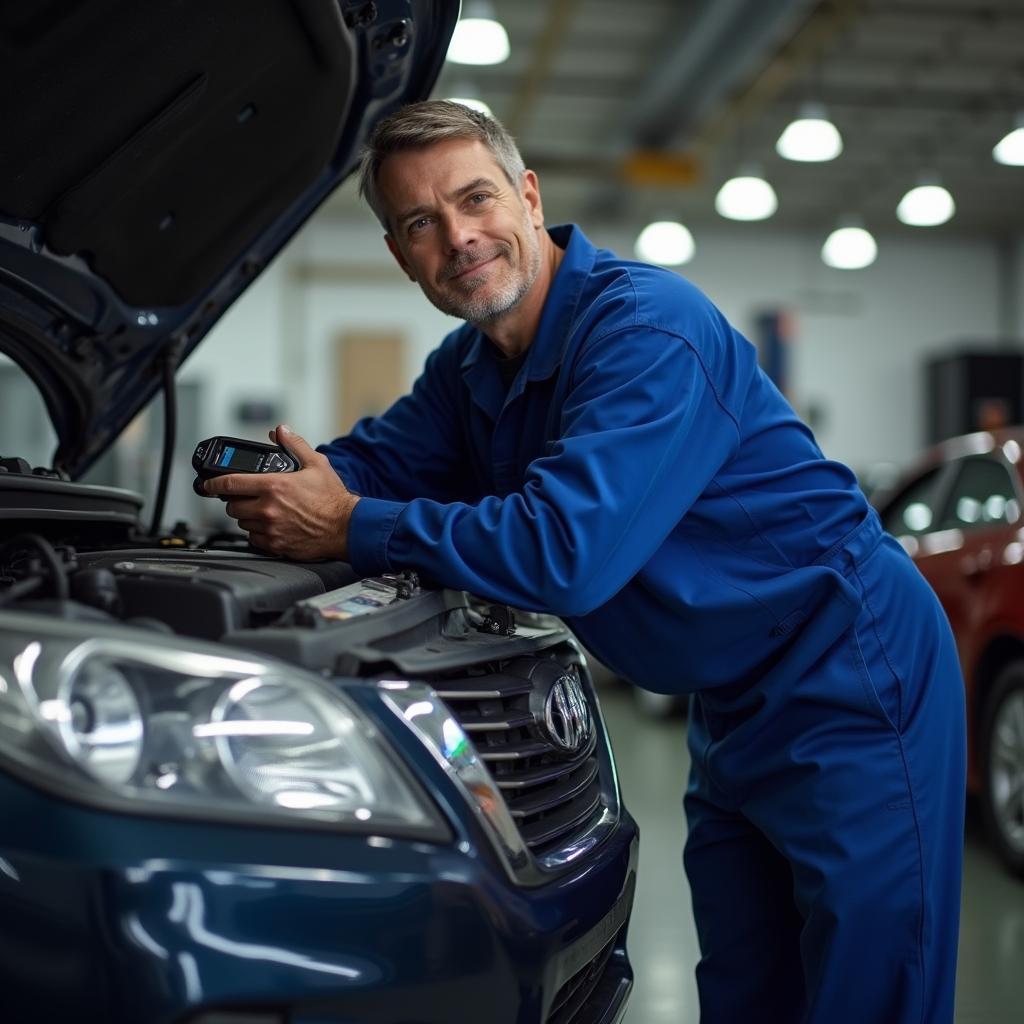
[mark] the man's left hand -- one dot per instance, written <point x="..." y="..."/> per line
<point x="302" y="515"/>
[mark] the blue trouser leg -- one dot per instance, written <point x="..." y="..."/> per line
<point x="852" y="776"/>
<point x="748" y="928"/>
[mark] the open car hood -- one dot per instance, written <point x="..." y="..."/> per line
<point x="157" y="156"/>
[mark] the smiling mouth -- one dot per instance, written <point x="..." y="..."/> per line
<point x="473" y="268"/>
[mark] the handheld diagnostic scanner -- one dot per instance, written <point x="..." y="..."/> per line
<point x="219" y="456"/>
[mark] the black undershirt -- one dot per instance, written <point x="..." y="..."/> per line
<point x="508" y="367"/>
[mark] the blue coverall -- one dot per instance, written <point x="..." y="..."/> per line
<point x="643" y="479"/>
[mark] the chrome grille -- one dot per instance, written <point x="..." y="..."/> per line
<point x="551" y="793"/>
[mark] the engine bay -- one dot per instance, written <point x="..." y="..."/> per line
<point x="77" y="552"/>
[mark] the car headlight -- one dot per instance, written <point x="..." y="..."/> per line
<point x="100" y="722"/>
<point x="144" y="724"/>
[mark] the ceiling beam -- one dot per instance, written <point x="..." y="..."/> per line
<point x="713" y="54"/>
<point x="956" y="10"/>
<point x="723" y="46"/>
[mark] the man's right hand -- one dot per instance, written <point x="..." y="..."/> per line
<point x="302" y="515"/>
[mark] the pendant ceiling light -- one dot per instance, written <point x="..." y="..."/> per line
<point x="666" y="242"/>
<point x="479" y="38"/>
<point x="1010" y="148"/>
<point x="748" y="196"/>
<point x="849" y="247"/>
<point x="926" y="205"/>
<point x="811" y="138"/>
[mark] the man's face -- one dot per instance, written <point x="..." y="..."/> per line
<point x="459" y="228"/>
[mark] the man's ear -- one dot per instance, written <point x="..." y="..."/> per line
<point x="399" y="258"/>
<point x="531" y="196"/>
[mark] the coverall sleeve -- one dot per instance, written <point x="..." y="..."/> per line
<point x="643" y="432"/>
<point x="413" y="449"/>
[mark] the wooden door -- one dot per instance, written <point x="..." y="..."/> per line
<point x="369" y="374"/>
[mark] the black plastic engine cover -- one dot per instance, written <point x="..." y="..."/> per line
<point x="206" y="593"/>
<point x="32" y="500"/>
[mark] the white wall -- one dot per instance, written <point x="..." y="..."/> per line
<point x="860" y="340"/>
<point x="277" y="340"/>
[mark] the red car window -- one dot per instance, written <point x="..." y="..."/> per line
<point x="982" y="495"/>
<point x="913" y="509"/>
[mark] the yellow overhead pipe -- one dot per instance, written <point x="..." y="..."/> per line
<point x="684" y="168"/>
<point x="652" y="167"/>
<point x="544" y="52"/>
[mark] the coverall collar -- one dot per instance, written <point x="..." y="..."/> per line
<point x="547" y="349"/>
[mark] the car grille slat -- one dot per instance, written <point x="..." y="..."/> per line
<point x="537" y="776"/>
<point x="513" y="752"/>
<point x="553" y="797"/>
<point x="552" y="793"/>
<point x="484" y="723"/>
<point x="492" y="687"/>
<point x="565" y="821"/>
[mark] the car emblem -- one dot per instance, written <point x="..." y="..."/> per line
<point x="567" y="714"/>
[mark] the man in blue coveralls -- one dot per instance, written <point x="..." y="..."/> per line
<point x="598" y="442"/>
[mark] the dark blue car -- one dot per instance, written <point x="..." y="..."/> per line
<point x="235" y="789"/>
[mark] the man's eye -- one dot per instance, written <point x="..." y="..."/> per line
<point x="478" y="197"/>
<point x="419" y="224"/>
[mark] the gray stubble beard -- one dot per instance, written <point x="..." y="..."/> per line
<point x="481" y="312"/>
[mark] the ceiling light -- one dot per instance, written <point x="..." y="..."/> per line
<point x="1010" y="148"/>
<point x="926" y="206"/>
<point x="478" y="37"/>
<point x="666" y="242"/>
<point x="746" y="197"/>
<point x="811" y="138"/>
<point x="849" y="248"/>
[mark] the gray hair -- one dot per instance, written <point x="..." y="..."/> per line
<point x="419" y="125"/>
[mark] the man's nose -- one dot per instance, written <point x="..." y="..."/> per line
<point x="460" y="232"/>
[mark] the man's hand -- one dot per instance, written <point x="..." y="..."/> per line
<point x="302" y="515"/>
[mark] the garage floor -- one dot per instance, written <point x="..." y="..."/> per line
<point x="653" y="763"/>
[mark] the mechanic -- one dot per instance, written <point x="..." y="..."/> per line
<point x="598" y="442"/>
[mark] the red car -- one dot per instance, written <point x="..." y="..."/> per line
<point x="959" y="512"/>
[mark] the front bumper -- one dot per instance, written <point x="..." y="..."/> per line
<point x="124" y="920"/>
